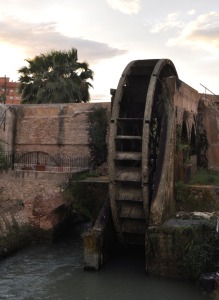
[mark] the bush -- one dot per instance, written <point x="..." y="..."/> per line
<point x="201" y="253"/>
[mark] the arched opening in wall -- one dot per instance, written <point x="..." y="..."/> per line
<point x="184" y="134"/>
<point x="185" y="142"/>
<point x="193" y="151"/>
<point x="193" y="145"/>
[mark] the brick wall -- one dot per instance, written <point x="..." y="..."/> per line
<point x="54" y="128"/>
<point x="31" y="198"/>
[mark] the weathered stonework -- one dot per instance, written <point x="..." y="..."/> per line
<point x="211" y="122"/>
<point x="178" y="248"/>
<point x="168" y="245"/>
<point x="186" y="97"/>
<point x="198" y="198"/>
<point x="32" y="198"/>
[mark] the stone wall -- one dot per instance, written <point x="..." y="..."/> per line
<point x="201" y="198"/>
<point x="177" y="247"/>
<point x="33" y="198"/>
<point x="186" y="97"/>
<point x="211" y="123"/>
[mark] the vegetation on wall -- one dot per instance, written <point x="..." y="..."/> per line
<point x="182" y="145"/>
<point x="185" y="251"/>
<point x="97" y="135"/>
<point x="202" y="251"/>
<point x="85" y="198"/>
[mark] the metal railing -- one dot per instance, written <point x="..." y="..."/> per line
<point x="40" y="161"/>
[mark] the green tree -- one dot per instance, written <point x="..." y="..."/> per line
<point x="56" y="77"/>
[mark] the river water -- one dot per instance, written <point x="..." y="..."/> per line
<point x="55" y="271"/>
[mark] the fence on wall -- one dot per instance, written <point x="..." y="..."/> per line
<point x="40" y="161"/>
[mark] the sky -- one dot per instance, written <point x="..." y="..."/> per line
<point x="109" y="34"/>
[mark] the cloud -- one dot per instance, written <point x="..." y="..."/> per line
<point x="200" y="33"/>
<point x="128" y="7"/>
<point x="191" y="12"/>
<point x="170" y="22"/>
<point x="43" y="37"/>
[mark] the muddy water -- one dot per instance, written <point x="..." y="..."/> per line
<point x="55" y="271"/>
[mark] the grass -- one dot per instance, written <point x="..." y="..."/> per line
<point x="206" y="177"/>
<point x="84" y="175"/>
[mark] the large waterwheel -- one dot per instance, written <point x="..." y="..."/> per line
<point x="138" y="132"/>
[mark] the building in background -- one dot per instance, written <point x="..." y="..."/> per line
<point x="9" y="91"/>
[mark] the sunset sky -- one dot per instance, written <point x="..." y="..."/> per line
<point x="110" y="33"/>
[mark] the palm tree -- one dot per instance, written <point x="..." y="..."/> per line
<point x="56" y="77"/>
